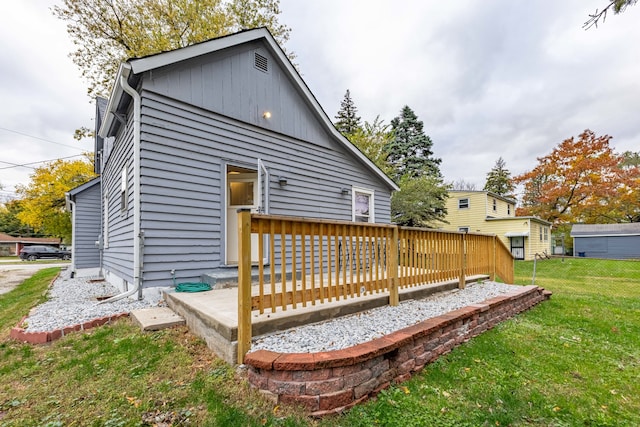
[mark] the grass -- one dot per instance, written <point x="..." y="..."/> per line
<point x="570" y="361"/>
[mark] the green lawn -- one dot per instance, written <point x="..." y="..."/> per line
<point x="571" y="361"/>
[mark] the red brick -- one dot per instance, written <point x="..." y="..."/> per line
<point x="332" y="359"/>
<point x="17" y="333"/>
<point x="55" y="334"/>
<point x="262" y="359"/>
<point x="336" y="400"/>
<point x="37" y="337"/>
<point x="309" y="403"/>
<point x="400" y="338"/>
<point x="286" y="387"/>
<point x="357" y="378"/>
<point x="402" y="378"/>
<point x="331" y="385"/>
<point x="294" y="362"/>
<point x="257" y="380"/>
<point x="406" y="367"/>
<point x="315" y="375"/>
<point x="365" y="388"/>
<point x="278" y="375"/>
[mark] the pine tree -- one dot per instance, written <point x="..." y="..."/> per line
<point x="499" y="179"/>
<point x="409" y="151"/>
<point x="348" y="122"/>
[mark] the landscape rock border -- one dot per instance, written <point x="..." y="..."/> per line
<point x="330" y="382"/>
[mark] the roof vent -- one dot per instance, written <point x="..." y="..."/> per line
<point x="261" y="62"/>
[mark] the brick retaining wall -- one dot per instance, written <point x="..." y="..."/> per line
<point x="332" y="381"/>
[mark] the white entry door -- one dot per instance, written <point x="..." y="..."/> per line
<point x="242" y="193"/>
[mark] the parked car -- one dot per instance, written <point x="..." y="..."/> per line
<point x="32" y="253"/>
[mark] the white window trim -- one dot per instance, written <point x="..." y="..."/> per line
<point x="468" y="203"/>
<point x="124" y="191"/>
<point x="463" y="229"/>
<point x="372" y="210"/>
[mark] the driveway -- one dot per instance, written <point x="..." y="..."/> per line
<point x="11" y="275"/>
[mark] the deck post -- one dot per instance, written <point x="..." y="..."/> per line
<point x="492" y="275"/>
<point x="244" y="283"/>
<point x="394" y="298"/>
<point x="463" y="261"/>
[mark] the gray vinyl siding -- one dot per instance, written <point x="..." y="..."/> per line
<point x="86" y="228"/>
<point x="184" y="153"/>
<point x="612" y="247"/>
<point x="118" y="250"/>
<point x="228" y="83"/>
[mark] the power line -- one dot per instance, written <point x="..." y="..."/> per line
<point x="26" y="165"/>
<point x="41" y="139"/>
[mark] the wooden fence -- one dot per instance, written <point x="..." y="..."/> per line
<point x="303" y="262"/>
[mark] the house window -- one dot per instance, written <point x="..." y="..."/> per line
<point x="463" y="229"/>
<point x="362" y="208"/>
<point x="463" y="203"/>
<point x="495" y="205"/>
<point x="546" y="234"/>
<point x="541" y="234"/>
<point x="508" y="209"/>
<point x="123" y="190"/>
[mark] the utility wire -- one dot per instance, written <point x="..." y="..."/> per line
<point x="26" y="165"/>
<point x="41" y="139"/>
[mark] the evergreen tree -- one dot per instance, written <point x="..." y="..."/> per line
<point x="499" y="179"/>
<point x="348" y="122"/>
<point x="409" y="151"/>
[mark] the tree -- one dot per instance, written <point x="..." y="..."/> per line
<point x="107" y="32"/>
<point x="499" y="179"/>
<point x="9" y="222"/>
<point x="578" y="182"/>
<point x="462" y="185"/>
<point x="618" y="6"/>
<point x="371" y="139"/>
<point x="409" y="151"/>
<point x="348" y="122"/>
<point x="421" y="202"/>
<point x="43" y="199"/>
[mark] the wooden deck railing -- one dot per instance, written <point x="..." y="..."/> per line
<point x="305" y="262"/>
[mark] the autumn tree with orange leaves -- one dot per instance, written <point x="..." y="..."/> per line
<point x="582" y="180"/>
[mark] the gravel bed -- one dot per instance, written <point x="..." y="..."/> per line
<point x="358" y="328"/>
<point x="74" y="301"/>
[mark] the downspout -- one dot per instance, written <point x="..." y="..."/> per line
<point x="138" y="234"/>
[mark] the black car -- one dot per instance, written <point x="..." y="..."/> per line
<point x="32" y="253"/>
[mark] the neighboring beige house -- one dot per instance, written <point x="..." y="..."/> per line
<point x="486" y="212"/>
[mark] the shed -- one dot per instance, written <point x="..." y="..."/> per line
<point x="615" y="241"/>
<point x="84" y="204"/>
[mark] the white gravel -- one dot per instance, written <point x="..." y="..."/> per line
<point x="74" y="301"/>
<point x="358" y="328"/>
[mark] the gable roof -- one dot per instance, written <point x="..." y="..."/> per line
<point x="600" y="230"/>
<point x="131" y="69"/>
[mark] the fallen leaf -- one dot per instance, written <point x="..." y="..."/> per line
<point x="446" y="394"/>
<point x="556" y="408"/>
<point x="405" y="389"/>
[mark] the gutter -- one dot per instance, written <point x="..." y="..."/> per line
<point x="138" y="234"/>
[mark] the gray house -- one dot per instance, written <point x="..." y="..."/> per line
<point x="615" y="241"/>
<point x="84" y="204"/>
<point x="190" y="136"/>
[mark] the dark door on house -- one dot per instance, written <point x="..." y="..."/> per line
<point x="517" y="247"/>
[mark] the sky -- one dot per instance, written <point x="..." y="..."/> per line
<point x="489" y="79"/>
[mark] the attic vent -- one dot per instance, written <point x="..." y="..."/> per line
<point x="261" y="62"/>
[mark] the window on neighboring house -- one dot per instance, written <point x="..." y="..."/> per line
<point x="495" y="205"/>
<point x="508" y="209"/>
<point x="546" y="234"/>
<point x="105" y="224"/>
<point x="463" y="229"/>
<point x="123" y="190"/>
<point x="463" y="203"/>
<point x="541" y="234"/>
<point x="362" y="208"/>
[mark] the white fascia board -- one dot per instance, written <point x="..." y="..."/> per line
<point x="114" y="100"/>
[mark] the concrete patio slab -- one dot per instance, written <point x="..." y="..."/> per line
<point x="156" y="318"/>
